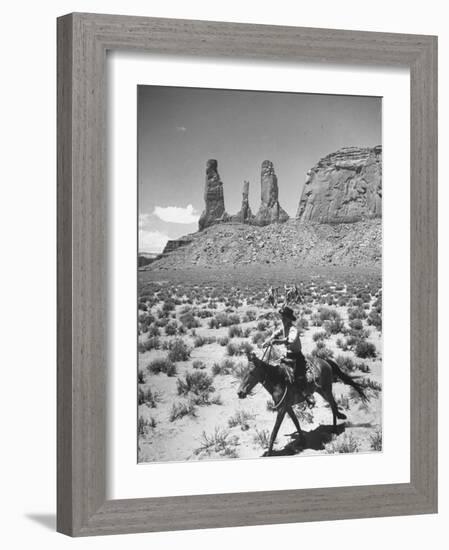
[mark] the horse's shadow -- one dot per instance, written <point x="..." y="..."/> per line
<point x="315" y="439"/>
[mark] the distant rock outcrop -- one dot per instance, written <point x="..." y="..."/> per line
<point x="214" y="211"/>
<point x="244" y="215"/>
<point x="344" y="187"/>
<point x="270" y="210"/>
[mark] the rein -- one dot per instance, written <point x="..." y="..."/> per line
<point x="277" y="405"/>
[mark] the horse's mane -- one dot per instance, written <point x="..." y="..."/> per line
<point x="273" y="373"/>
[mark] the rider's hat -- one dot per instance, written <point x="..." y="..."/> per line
<point x="287" y="312"/>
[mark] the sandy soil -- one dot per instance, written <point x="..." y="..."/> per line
<point x="234" y="428"/>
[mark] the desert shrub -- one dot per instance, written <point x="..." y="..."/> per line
<point x="232" y="349"/>
<point x="146" y="396"/>
<point x="140" y="377"/>
<point x="334" y="326"/>
<point x="376" y="440"/>
<point x="189" y="320"/>
<point x="245" y="347"/>
<point x="341" y="344"/>
<point x="356" y="313"/>
<point x="364" y="349"/>
<point x="235" y="330"/>
<point x="345" y="444"/>
<point x="153" y="331"/>
<point x="168" y="305"/>
<point x="303" y="413"/>
<point x="163" y="364"/>
<point x="320" y="336"/>
<point x="205" y="314"/>
<point x="262" y="325"/>
<point x="322" y="351"/>
<point x="328" y="314"/>
<point x="223" y="341"/>
<point x="219" y="442"/>
<point x="375" y="319"/>
<point x="143" y="306"/>
<point x="270" y="405"/>
<point x="342" y="402"/>
<point x="250" y="315"/>
<point x="356" y="324"/>
<point x="225" y="367"/>
<point x="171" y="328"/>
<point x="234" y="319"/>
<point x="302" y="324"/>
<point x="247" y="332"/>
<point x="144" y="425"/>
<point x="221" y="319"/>
<point x="199" y="341"/>
<point x="180" y="409"/>
<point x="316" y="321"/>
<point x="262" y="438"/>
<point x="152" y="343"/>
<point x="345" y="363"/>
<point x="198" y="365"/>
<point x="178" y="350"/>
<point x="259" y="337"/>
<point x="371" y="384"/>
<point x="240" y="418"/>
<point x="198" y="383"/>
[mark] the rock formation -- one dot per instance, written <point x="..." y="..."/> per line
<point x="270" y="210"/>
<point x="345" y="186"/>
<point x="214" y="211"/>
<point x="244" y="215"/>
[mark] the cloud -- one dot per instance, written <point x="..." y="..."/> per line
<point x="144" y="220"/>
<point x="152" y="241"/>
<point x="181" y="129"/>
<point x="177" y="214"/>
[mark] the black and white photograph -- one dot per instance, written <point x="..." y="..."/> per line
<point x="259" y="274"/>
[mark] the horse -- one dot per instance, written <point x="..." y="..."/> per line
<point x="285" y="395"/>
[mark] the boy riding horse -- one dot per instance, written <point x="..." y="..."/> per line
<point x="293" y="363"/>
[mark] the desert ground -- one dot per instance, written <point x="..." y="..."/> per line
<point x="195" y="326"/>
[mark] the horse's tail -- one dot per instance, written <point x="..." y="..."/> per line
<point x="348" y="379"/>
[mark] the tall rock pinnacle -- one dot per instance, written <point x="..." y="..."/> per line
<point x="214" y="211"/>
<point x="244" y="215"/>
<point x="270" y="210"/>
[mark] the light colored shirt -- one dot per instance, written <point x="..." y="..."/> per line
<point x="293" y="342"/>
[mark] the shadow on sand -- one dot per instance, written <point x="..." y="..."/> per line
<point x="315" y="439"/>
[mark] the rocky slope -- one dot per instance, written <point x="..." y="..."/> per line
<point x="345" y="186"/>
<point x="297" y="244"/>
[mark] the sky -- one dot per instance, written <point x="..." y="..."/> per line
<point x="179" y="129"/>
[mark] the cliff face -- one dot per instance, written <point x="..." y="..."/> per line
<point x="270" y="210"/>
<point x="344" y="187"/>
<point x="214" y="211"/>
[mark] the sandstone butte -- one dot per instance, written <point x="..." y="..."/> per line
<point x="338" y="219"/>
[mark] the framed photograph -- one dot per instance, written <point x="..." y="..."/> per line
<point x="247" y="281"/>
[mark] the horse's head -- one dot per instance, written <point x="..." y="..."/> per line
<point x="254" y="375"/>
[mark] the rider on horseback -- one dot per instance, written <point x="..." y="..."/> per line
<point x="293" y="363"/>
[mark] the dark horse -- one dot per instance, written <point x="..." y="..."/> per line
<point x="286" y="395"/>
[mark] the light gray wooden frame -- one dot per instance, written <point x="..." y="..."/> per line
<point x="83" y="40"/>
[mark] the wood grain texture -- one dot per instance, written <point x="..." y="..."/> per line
<point x="83" y="40"/>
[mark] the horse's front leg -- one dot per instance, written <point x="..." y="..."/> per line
<point x="274" y="433"/>
<point x="292" y="415"/>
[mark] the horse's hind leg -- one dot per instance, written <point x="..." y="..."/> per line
<point x="274" y="433"/>
<point x="329" y="397"/>
<point x="292" y="415"/>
